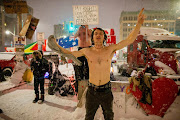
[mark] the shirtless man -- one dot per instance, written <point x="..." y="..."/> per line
<point x="82" y="72"/>
<point x="99" y="60"/>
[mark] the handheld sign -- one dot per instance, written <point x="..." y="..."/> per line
<point x="85" y="14"/>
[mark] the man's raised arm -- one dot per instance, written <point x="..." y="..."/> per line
<point x="132" y="36"/>
<point x="57" y="48"/>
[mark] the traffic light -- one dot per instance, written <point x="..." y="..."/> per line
<point x="71" y="26"/>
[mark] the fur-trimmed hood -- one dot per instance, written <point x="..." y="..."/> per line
<point x="39" y="54"/>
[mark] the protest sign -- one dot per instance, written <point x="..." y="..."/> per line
<point x="85" y="14"/>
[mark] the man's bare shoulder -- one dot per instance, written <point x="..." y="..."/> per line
<point x="111" y="47"/>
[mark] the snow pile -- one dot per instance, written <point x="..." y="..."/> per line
<point x="18" y="72"/>
<point x="67" y="69"/>
<point x="6" y="56"/>
<point x="166" y="68"/>
<point x="6" y="85"/>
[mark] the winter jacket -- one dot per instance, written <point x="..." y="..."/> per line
<point x="39" y="65"/>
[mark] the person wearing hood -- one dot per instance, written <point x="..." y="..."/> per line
<point x="39" y="67"/>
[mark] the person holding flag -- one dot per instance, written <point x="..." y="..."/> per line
<point x="82" y="72"/>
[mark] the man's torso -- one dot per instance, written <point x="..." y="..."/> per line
<point x="99" y="65"/>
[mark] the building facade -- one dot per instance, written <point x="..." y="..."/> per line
<point x="59" y="31"/>
<point x="165" y="19"/>
<point x="66" y="29"/>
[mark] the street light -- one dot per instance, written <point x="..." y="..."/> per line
<point x="9" y="32"/>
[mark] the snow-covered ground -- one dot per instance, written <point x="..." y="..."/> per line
<point x="18" y="105"/>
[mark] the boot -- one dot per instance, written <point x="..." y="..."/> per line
<point x="36" y="98"/>
<point x="41" y="100"/>
<point x="1" y="111"/>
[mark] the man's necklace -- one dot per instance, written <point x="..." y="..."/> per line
<point x="99" y="47"/>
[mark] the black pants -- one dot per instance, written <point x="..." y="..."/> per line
<point x="94" y="99"/>
<point x="84" y="68"/>
<point x="38" y="81"/>
<point x="82" y="71"/>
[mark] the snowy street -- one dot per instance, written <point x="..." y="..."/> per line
<point x="17" y="105"/>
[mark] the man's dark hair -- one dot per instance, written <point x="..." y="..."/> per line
<point x="105" y="36"/>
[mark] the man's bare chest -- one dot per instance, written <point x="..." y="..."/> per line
<point x="99" y="57"/>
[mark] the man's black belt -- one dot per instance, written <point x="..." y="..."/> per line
<point x="100" y="88"/>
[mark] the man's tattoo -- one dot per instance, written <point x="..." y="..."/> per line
<point x="99" y="61"/>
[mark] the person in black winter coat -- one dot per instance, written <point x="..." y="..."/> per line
<point x="39" y="66"/>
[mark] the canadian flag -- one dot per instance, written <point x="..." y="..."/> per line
<point x="111" y="38"/>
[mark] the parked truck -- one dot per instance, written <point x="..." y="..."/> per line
<point x="155" y="51"/>
<point x="7" y="63"/>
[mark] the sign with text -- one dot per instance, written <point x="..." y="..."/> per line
<point x="86" y="14"/>
<point x="25" y="26"/>
<point x="40" y="36"/>
<point x="14" y="6"/>
<point x="19" y="40"/>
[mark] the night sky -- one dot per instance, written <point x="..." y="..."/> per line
<point x="53" y="12"/>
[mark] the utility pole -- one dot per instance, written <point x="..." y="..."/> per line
<point x="19" y="22"/>
<point x="16" y="7"/>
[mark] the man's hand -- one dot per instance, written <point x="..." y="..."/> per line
<point x="132" y="36"/>
<point x="82" y="30"/>
<point x="141" y="16"/>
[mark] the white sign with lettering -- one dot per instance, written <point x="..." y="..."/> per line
<point x="85" y="14"/>
<point x="40" y="36"/>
